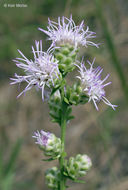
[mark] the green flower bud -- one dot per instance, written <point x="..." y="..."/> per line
<point x="55" y="107"/>
<point x="66" y="55"/>
<point x="49" y="143"/>
<point x="75" y="96"/>
<point x="52" y="176"/>
<point x="78" y="166"/>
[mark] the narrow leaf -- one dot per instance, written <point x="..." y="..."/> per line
<point x="14" y="154"/>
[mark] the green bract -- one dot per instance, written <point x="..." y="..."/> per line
<point x="66" y="55"/>
<point x="53" y="148"/>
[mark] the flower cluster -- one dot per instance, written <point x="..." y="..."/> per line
<point x="92" y="84"/>
<point x="45" y="70"/>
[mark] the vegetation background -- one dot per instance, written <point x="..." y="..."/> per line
<point x="103" y="135"/>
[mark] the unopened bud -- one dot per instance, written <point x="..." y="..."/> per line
<point x="52" y="178"/>
<point x="78" y="166"/>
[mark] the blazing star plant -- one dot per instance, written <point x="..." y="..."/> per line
<point x="47" y="72"/>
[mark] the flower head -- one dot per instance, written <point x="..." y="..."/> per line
<point x="42" y="138"/>
<point x="65" y="31"/>
<point x="49" y="143"/>
<point x="92" y="84"/>
<point x="40" y="72"/>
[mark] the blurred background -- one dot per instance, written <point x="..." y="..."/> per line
<point x="103" y="135"/>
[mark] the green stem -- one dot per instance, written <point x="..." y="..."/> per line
<point x="63" y="132"/>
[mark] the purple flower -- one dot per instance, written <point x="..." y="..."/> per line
<point x="92" y="84"/>
<point x="42" y="138"/>
<point x="65" y="31"/>
<point x="39" y="72"/>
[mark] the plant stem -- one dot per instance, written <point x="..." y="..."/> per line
<point x="63" y="132"/>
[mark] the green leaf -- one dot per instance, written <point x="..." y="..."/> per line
<point x="66" y="100"/>
<point x="7" y="182"/>
<point x="79" y="181"/>
<point x="71" y="117"/>
<point x="56" y="121"/>
<point x="66" y="175"/>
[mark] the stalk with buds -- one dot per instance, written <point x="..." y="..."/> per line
<point x="47" y="72"/>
